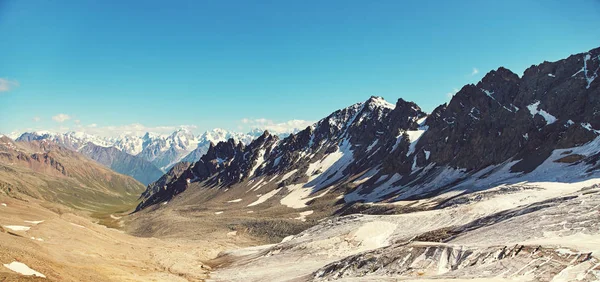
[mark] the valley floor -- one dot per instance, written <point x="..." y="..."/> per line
<point x="518" y="232"/>
<point x="58" y="244"/>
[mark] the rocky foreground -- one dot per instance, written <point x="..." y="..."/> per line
<point x="518" y="232"/>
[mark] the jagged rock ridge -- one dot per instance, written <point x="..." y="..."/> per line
<point x="504" y="127"/>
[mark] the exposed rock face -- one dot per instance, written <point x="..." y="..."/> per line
<point x="359" y="128"/>
<point x="504" y="124"/>
<point x="448" y="262"/>
<point x="174" y="173"/>
<point x="225" y="163"/>
<point x="121" y="162"/>
<point x="505" y="116"/>
<point x="215" y="136"/>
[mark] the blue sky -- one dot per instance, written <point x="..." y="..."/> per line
<point x="110" y="65"/>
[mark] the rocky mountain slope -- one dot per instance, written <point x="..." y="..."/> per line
<point x="44" y="170"/>
<point x="121" y="162"/>
<point x="499" y="184"/>
<point x="215" y="136"/>
<point x="537" y="231"/>
<point x="503" y="128"/>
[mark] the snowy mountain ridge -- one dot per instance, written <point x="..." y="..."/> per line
<point x="501" y="183"/>
<point x="503" y="128"/>
<point x="162" y="150"/>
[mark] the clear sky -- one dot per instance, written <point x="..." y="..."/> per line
<point x="111" y="64"/>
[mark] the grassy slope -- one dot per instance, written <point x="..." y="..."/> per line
<point x="86" y="185"/>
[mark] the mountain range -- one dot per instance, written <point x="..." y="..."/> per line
<point x="543" y="125"/>
<point x="145" y="157"/>
<point x="500" y="183"/>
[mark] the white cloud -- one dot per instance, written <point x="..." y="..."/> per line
<point x="290" y="126"/>
<point x="36" y="119"/>
<point x="474" y="72"/>
<point x="61" y="117"/>
<point x="7" y="84"/>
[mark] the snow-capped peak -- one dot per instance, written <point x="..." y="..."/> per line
<point x="377" y="101"/>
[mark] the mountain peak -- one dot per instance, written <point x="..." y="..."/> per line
<point x="501" y="73"/>
<point x="378" y="101"/>
<point x="181" y="131"/>
<point x="256" y="132"/>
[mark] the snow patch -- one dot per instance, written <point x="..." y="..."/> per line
<point x="34" y="222"/>
<point x="17" y="227"/>
<point x="365" y="177"/>
<point x="380" y="102"/>
<point x="413" y="137"/>
<point x="259" y="161"/>
<point x="288" y="175"/>
<point x="322" y="174"/>
<point x="235" y="201"/>
<point x="488" y="93"/>
<point x="264" y="198"/>
<point x="589" y="78"/>
<point x="375" y="234"/>
<point x="23" y="269"/>
<point x="257" y="185"/>
<point x="589" y="127"/>
<point x="534" y="109"/>
<point x="372" y="145"/>
<point x="378" y="193"/>
<point x="303" y="215"/>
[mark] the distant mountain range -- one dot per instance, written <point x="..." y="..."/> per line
<point x="145" y="157"/>
<point x="119" y="161"/>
